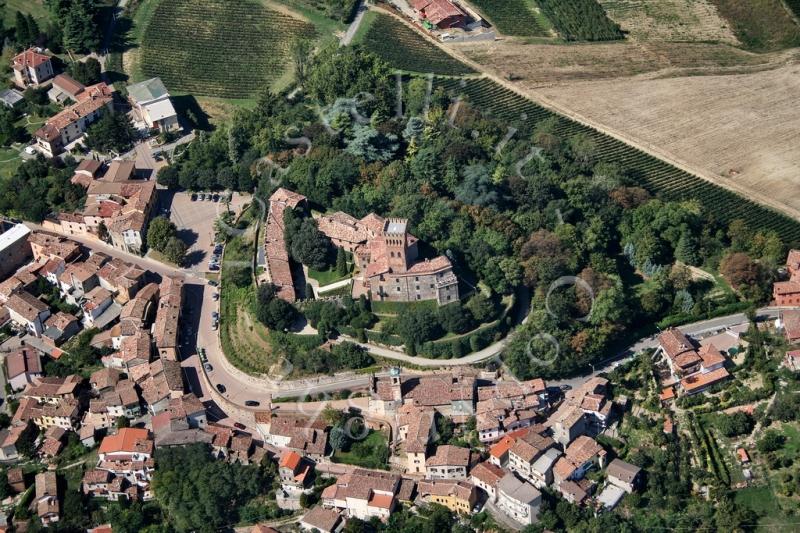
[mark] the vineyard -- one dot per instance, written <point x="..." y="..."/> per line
<point x="513" y="17"/>
<point x="580" y="20"/>
<point x="403" y="48"/>
<point x="218" y="48"/>
<point x="659" y="177"/>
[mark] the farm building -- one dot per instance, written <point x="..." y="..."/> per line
<point x="440" y="13"/>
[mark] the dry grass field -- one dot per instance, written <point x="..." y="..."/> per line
<point x="740" y="130"/>
<point x="534" y="65"/>
<point x="670" y="20"/>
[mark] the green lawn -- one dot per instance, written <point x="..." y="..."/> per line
<point x="34" y="7"/>
<point x="759" y="499"/>
<point x="372" y="452"/>
<point x="394" y="308"/>
<point x="9" y="162"/>
<point x="326" y="277"/>
<point x="792" y="446"/>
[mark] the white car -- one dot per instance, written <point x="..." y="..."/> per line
<point x="30" y="150"/>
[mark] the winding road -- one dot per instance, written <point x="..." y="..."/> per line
<point x="196" y="331"/>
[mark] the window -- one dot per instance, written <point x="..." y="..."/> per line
<point x="398" y="289"/>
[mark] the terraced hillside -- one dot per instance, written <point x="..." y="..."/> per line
<point x="651" y="173"/>
<point x="403" y="48"/>
<point x="218" y="47"/>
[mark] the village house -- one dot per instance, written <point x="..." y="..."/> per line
<point x="45" y="246"/>
<point x="414" y="429"/>
<point x="486" y="476"/>
<point x="64" y="88"/>
<point x="451" y="394"/>
<point x="695" y="370"/>
<point x="121" y="278"/>
<point x="104" y="379"/>
<point x="168" y="314"/>
<point x="23" y="367"/>
<point x="15" y="248"/>
<point x="526" y="450"/>
<point x="31" y="67"/>
<point x="86" y="171"/>
<point x="94" y="303"/>
<point x="128" y="455"/>
<point x="9" y="438"/>
<point x="449" y="462"/>
<point x="580" y="456"/>
<point x="48" y="507"/>
<point x="321" y="519"/>
<point x="519" y="500"/>
<point x="16" y="479"/>
<point x="458" y="496"/>
<point x="27" y="312"/>
<point x="60" y="327"/>
<point x="309" y="438"/>
<point x="294" y="471"/>
<point x="152" y="106"/>
<point x="623" y="475"/>
<point x="363" y="494"/>
<point x="72" y="122"/>
<point x="787" y="293"/>
<point x="541" y="472"/>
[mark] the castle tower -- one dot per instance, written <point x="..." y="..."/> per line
<point x="396" y="236"/>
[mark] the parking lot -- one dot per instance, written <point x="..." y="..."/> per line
<point x="195" y="222"/>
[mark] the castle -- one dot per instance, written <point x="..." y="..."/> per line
<point x="387" y="258"/>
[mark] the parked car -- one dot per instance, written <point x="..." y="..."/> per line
<point x="215" y="296"/>
<point x="252" y="403"/>
<point x="193" y="197"/>
<point x="215" y="315"/>
<point x="221" y="388"/>
<point x="201" y="196"/>
<point x="239" y="425"/>
<point x="215" y="197"/>
<point x="213" y="283"/>
<point x="208" y="367"/>
<point x="213" y="266"/>
<point x="218" y="249"/>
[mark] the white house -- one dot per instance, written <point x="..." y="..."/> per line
<point x="519" y="500"/>
<point x="151" y="103"/>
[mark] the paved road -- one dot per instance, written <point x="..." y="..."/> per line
<point x="197" y="331"/>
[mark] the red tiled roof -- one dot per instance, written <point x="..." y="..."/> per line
<point x="127" y="440"/>
<point x="698" y="381"/>
<point x="30" y="58"/>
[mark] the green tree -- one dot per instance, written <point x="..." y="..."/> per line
<point x="175" y="250"/>
<point x="113" y="131"/>
<point x="300" y="50"/>
<point x="80" y="33"/>
<point x="310" y="246"/>
<point x="33" y="28"/>
<point x="341" y="262"/>
<point x="454" y="318"/>
<point x="87" y="72"/>
<point x="273" y="312"/>
<point x="159" y="232"/>
<point x="771" y="441"/>
<point x="23" y="33"/>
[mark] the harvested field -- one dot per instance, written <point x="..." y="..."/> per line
<point x="534" y="65"/>
<point x="670" y="20"/>
<point x="741" y="130"/>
